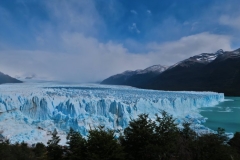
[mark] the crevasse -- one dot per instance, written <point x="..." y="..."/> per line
<point x="36" y="109"/>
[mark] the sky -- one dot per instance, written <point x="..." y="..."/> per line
<point x="90" y="40"/>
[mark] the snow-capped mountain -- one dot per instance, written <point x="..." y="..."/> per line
<point x="229" y="55"/>
<point x="203" y="58"/>
<point x="218" y="72"/>
<point x="154" y="68"/>
<point x="135" y="78"/>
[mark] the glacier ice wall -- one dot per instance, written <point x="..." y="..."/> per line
<point x="29" y="112"/>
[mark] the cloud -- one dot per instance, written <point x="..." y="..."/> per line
<point x="134" y="28"/>
<point x="149" y="12"/>
<point x="78" y="16"/>
<point x="230" y="21"/>
<point x="194" y="25"/>
<point x="134" y="12"/>
<point x="174" y="51"/>
<point x="85" y="59"/>
<point x="68" y="46"/>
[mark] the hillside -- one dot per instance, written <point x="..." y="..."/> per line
<point x="221" y="74"/>
<point x="135" y="78"/>
<point x="7" y="79"/>
<point x="218" y="72"/>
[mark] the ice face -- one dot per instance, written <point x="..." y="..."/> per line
<point x="29" y="112"/>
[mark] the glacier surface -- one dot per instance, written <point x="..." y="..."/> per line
<point x="29" y="112"/>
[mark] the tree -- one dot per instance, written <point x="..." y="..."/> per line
<point x="221" y="135"/>
<point x="235" y="142"/>
<point x="22" y="151"/>
<point x="54" y="151"/>
<point x="148" y="139"/>
<point x="139" y="139"/>
<point x="166" y="135"/>
<point x="186" y="142"/>
<point x="18" y="151"/>
<point x="213" y="146"/>
<point x="77" y="146"/>
<point x="40" y="151"/>
<point x="102" y="145"/>
<point x="6" y="151"/>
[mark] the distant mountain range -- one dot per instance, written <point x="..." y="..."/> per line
<point x="7" y="79"/>
<point x="219" y="72"/>
<point x="135" y="78"/>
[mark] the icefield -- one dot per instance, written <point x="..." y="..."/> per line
<point x="29" y="112"/>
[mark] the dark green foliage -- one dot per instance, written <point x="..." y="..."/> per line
<point x="146" y="139"/>
<point x="40" y="151"/>
<point x="211" y="146"/>
<point x="161" y="139"/>
<point x="15" y="152"/>
<point x="102" y="145"/>
<point x="186" y="142"/>
<point x="54" y="151"/>
<point x="166" y="136"/>
<point x="77" y="146"/>
<point x="187" y="133"/>
<point x="221" y="135"/>
<point x="22" y="151"/>
<point x="206" y="146"/>
<point x="235" y="142"/>
<point x="5" y="150"/>
<point x="143" y="139"/>
<point x="139" y="139"/>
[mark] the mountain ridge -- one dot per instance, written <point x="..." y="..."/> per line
<point x="135" y="78"/>
<point x="4" y="78"/>
<point x="218" y="72"/>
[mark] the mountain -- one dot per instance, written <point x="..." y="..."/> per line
<point x="135" y="78"/>
<point x="219" y="72"/>
<point x="7" y="79"/>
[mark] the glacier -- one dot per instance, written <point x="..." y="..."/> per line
<point x="29" y="112"/>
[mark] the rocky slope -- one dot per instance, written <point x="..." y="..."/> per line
<point x="219" y="72"/>
<point x="7" y="79"/>
<point x="135" y="78"/>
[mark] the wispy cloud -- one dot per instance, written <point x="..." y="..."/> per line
<point x="79" y="15"/>
<point x="81" y="59"/>
<point x="230" y="21"/>
<point x="149" y="12"/>
<point x="69" y="43"/>
<point x="174" y="51"/>
<point x="86" y="59"/>
<point x="134" y="28"/>
<point x="134" y="12"/>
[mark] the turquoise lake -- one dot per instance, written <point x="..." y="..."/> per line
<point x="225" y="115"/>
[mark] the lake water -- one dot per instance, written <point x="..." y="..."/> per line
<point x="225" y="115"/>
